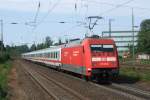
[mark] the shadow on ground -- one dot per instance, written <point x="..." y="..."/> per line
<point x="3" y="93"/>
<point x="122" y="79"/>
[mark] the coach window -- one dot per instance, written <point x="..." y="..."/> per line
<point x="47" y="55"/>
<point x="44" y="55"/>
<point x="56" y="55"/>
<point x="50" y="54"/>
<point x="53" y="54"/>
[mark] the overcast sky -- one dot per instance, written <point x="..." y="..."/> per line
<point x="51" y="12"/>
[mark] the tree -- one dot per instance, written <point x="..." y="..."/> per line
<point x="48" y="42"/>
<point x="23" y="48"/>
<point x="144" y="37"/>
<point x="59" y="41"/>
<point x="41" y="46"/>
<point x="33" y="47"/>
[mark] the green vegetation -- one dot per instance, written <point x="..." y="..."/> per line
<point x="147" y="62"/>
<point x="4" y="57"/>
<point x="4" y="71"/>
<point x="48" y="42"/>
<point x="144" y="37"/>
<point x="134" y="73"/>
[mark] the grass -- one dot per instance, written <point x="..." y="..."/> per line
<point x="133" y="73"/>
<point x="145" y="61"/>
<point x="4" y="71"/>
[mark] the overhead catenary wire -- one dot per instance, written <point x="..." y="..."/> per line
<point x="112" y="4"/>
<point x="37" y="23"/>
<point x="72" y="27"/>
<point x="114" y="8"/>
<point x="49" y="11"/>
<point x="109" y="10"/>
<point x="76" y="7"/>
<point x="36" y="15"/>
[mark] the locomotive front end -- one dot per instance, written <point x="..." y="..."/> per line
<point x="103" y="58"/>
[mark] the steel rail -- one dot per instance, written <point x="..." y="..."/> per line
<point x="111" y="89"/>
<point x="128" y="95"/>
<point x="79" y="96"/>
<point x="135" y="91"/>
<point x="41" y="85"/>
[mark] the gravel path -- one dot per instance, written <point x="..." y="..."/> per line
<point x="23" y="87"/>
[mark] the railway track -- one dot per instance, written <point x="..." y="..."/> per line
<point x="64" y="87"/>
<point x="134" y="91"/>
<point x="69" y="93"/>
<point x="128" y="93"/>
<point x="37" y="82"/>
<point x="120" y="92"/>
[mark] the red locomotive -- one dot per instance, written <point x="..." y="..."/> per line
<point x="91" y="57"/>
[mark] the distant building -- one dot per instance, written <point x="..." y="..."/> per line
<point x="143" y="56"/>
<point x="123" y="39"/>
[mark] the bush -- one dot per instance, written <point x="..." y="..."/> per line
<point x="4" y="57"/>
<point x="3" y="93"/>
<point x="4" y="72"/>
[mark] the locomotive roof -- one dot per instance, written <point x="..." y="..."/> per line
<point x="74" y="43"/>
<point x="52" y="48"/>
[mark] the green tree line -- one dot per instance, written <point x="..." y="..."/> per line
<point x="15" y="51"/>
<point x="144" y="37"/>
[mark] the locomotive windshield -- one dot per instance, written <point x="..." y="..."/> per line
<point x="102" y="48"/>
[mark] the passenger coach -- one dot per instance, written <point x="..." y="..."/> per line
<point x="91" y="57"/>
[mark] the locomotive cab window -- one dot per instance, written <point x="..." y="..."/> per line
<point x="102" y="48"/>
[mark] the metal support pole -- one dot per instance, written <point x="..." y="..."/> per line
<point x="1" y="21"/>
<point x="102" y="34"/>
<point x="110" y="28"/>
<point x="133" y="50"/>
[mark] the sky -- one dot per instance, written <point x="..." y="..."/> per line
<point x="73" y="12"/>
